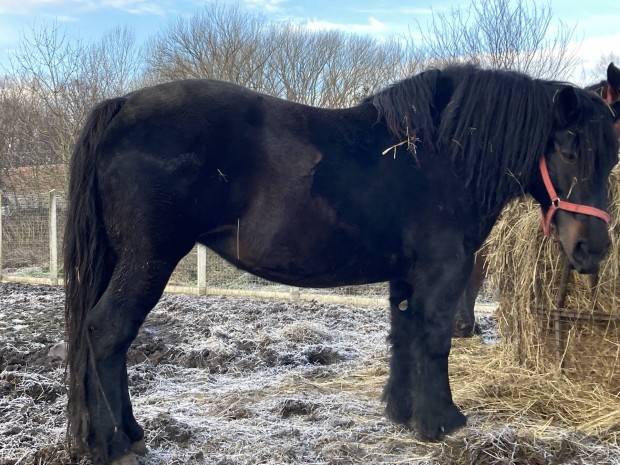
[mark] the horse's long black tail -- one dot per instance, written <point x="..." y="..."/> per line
<point x="87" y="263"/>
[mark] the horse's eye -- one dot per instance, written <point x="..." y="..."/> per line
<point x="569" y="157"/>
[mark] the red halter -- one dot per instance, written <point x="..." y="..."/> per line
<point x="557" y="204"/>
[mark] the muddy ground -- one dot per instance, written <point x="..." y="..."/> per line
<point x="235" y="381"/>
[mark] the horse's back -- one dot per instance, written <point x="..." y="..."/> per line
<point x="183" y="116"/>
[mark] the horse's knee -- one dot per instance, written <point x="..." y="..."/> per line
<point x="438" y="326"/>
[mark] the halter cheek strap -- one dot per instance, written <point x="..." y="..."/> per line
<point x="557" y="204"/>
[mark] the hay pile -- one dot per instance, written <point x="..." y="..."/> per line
<point x="579" y="334"/>
<point x="496" y="390"/>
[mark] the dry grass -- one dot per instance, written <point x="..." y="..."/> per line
<point x="512" y="394"/>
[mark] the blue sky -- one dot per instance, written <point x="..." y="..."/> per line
<point x="598" y="21"/>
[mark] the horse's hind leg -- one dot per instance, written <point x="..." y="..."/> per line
<point x="133" y="429"/>
<point x="113" y="323"/>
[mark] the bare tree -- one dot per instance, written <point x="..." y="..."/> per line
<point x="10" y="143"/>
<point x="25" y="162"/>
<point x="46" y="67"/>
<point x="222" y="42"/>
<point x="53" y="82"/>
<point x="499" y="34"/>
<point x="112" y="65"/>
<point x="329" y="68"/>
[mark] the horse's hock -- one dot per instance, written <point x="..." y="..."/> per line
<point x="552" y="318"/>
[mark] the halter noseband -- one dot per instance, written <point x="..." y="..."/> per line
<point x="557" y="204"/>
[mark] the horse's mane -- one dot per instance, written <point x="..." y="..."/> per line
<point x="491" y="125"/>
<point x="408" y="107"/>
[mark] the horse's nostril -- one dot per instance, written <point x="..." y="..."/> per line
<point x="584" y="250"/>
<point x="581" y="248"/>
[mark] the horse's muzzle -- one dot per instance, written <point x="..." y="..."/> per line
<point x="585" y="240"/>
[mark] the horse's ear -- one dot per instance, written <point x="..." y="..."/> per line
<point x="567" y="110"/>
<point x="613" y="76"/>
<point x="611" y="92"/>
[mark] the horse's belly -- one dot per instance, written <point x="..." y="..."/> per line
<point x="288" y="233"/>
<point x="307" y="260"/>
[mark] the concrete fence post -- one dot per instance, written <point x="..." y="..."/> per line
<point x="202" y="269"/>
<point x="53" y="231"/>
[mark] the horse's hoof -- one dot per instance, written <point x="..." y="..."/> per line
<point x="127" y="459"/>
<point x="466" y="330"/>
<point x="139" y="447"/>
<point x="437" y="428"/>
<point x="463" y="331"/>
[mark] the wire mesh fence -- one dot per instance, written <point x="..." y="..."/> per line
<point x="25" y="235"/>
<point x="28" y="253"/>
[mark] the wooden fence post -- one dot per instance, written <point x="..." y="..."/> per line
<point x="53" y="231"/>
<point x="202" y="269"/>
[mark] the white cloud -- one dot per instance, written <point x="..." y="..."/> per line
<point x="397" y="10"/>
<point x="374" y="26"/>
<point x="65" y="19"/>
<point x="267" y="6"/>
<point x="10" y="4"/>
<point x="135" y="6"/>
<point x="31" y="6"/>
<point x="23" y="7"/>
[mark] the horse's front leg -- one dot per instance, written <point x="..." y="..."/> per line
<point x="418" y="391"/>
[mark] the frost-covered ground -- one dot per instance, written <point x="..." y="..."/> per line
<point x="237" y="381"/>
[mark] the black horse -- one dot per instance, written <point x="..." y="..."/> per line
<point x="403" y="188"/>
<point x="464" y="322"/>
